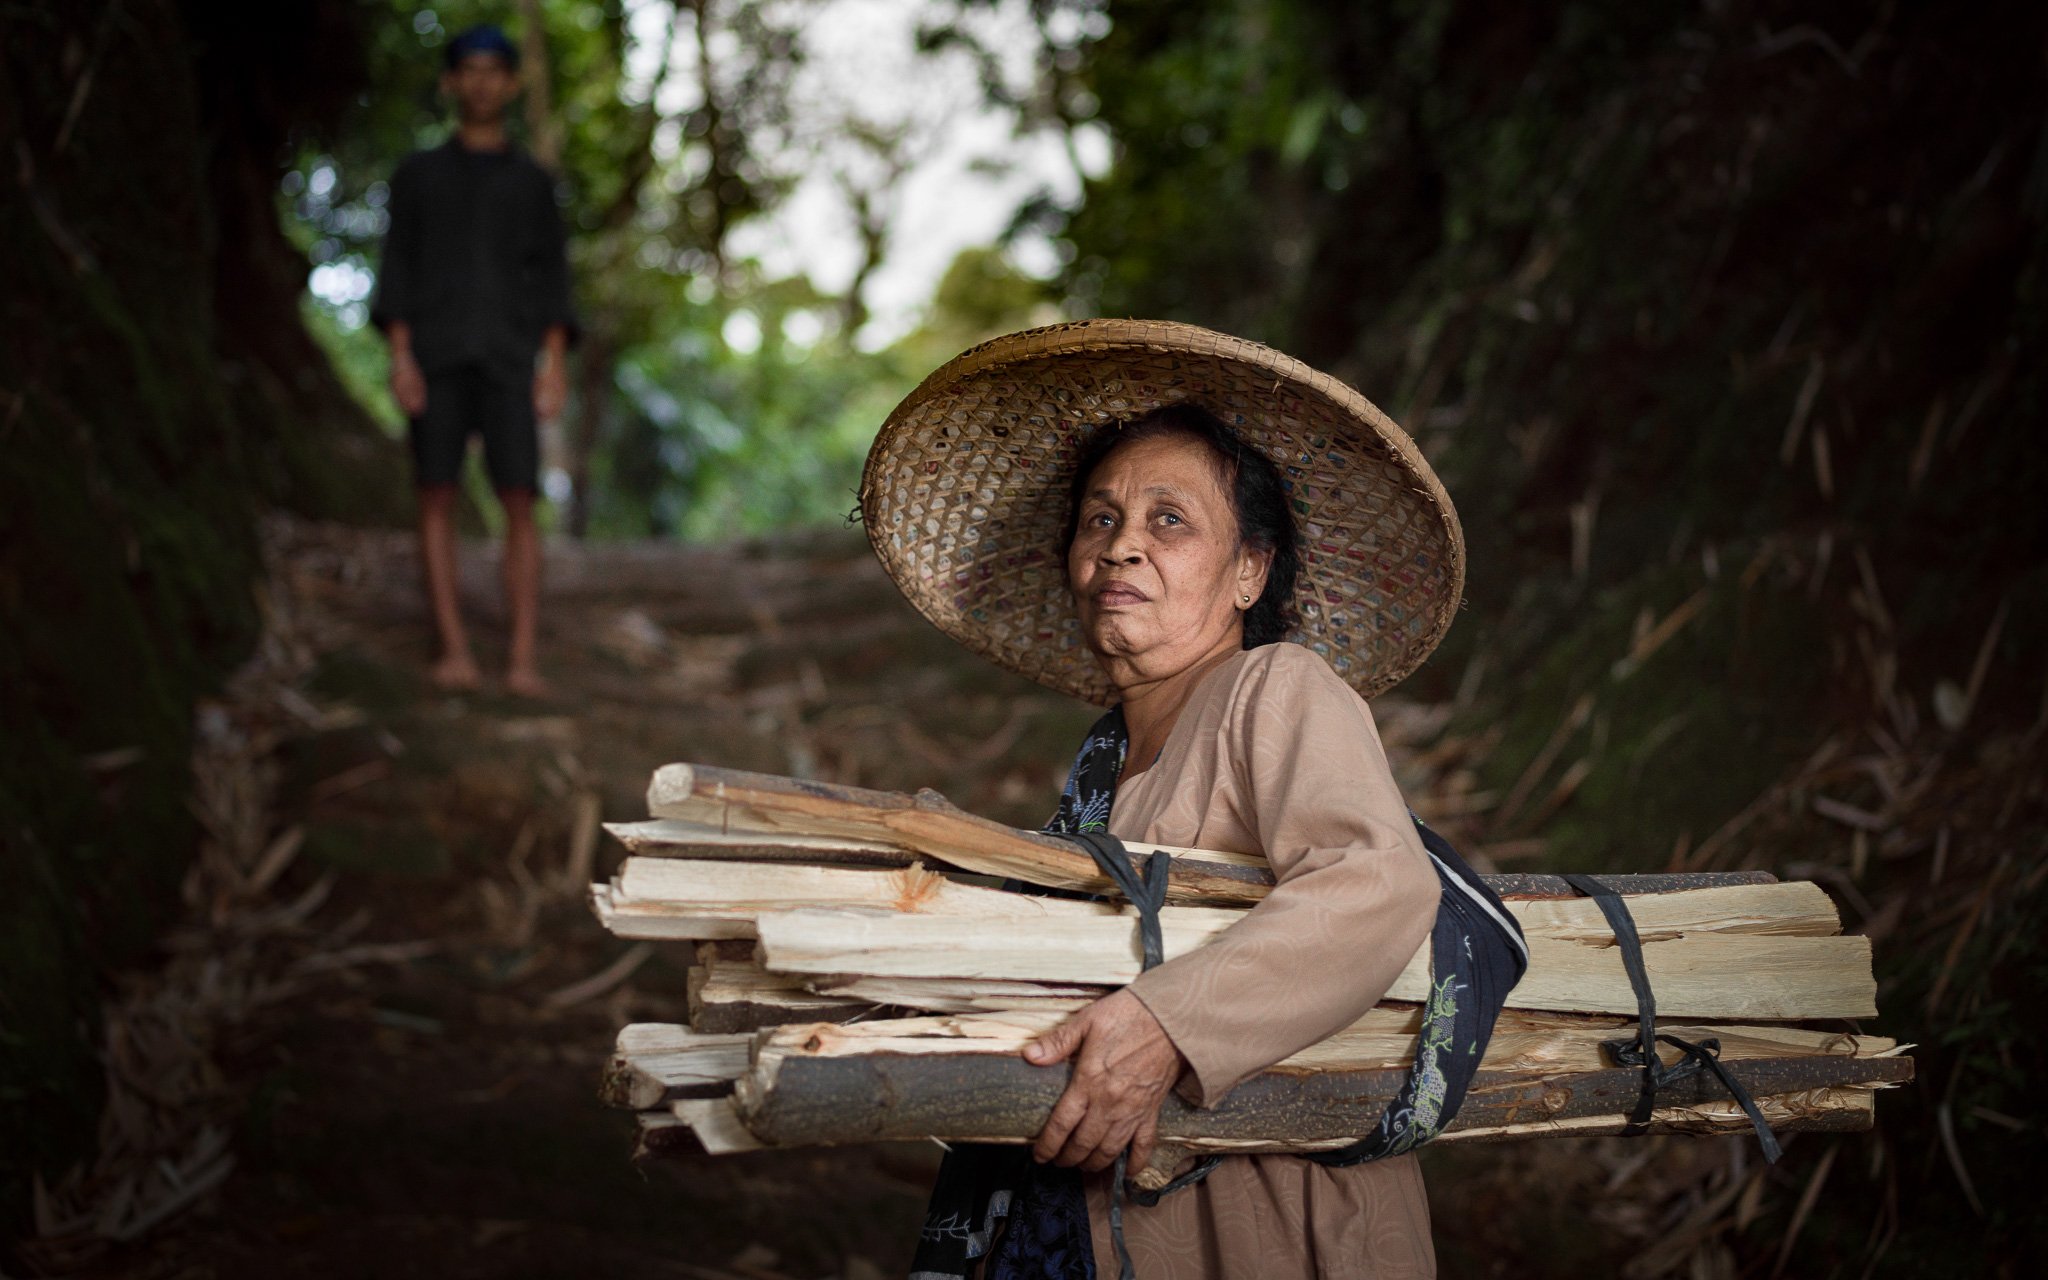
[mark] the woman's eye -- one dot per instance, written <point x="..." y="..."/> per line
<point x="1169" y="517"/>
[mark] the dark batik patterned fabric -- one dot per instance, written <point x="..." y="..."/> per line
<point x="982" y="1186"/>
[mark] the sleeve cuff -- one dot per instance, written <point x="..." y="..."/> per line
<point x="1203" y="1084"/>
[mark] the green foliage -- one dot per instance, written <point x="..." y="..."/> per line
<point x="688" y="423"/>
<point x="718" y="440"/>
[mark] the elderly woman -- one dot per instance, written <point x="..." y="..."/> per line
<point x="1185" y="573"/>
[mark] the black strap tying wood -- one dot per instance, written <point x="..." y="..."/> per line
<point x="1147" y="893"/>
<point x="1642" y="1051"/>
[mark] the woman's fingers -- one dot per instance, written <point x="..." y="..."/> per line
<point x="1123" y="1065"/>
<point x="1143" y="1139"/>
<point x="1058" y="1044"/>
<point x="1096" y="1142"/>
<point x="1066" y="1114"/>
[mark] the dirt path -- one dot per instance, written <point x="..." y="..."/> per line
<point x="434" y="1115"/>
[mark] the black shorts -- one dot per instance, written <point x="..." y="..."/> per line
<point x="469" y="400"/>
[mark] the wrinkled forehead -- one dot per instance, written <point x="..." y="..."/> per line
<point x="1161" y="458"/>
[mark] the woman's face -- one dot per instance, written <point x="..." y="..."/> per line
<point x="1159" y="578"/>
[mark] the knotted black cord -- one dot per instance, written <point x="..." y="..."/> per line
<point x="1642" y="1051"/>
<point x="1146" y="894"/>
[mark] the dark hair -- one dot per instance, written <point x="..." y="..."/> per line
<point x="482" y="38"/>
<point x="1258" y="497"/>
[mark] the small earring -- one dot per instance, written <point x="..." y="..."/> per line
<point x="1246" y="599"/>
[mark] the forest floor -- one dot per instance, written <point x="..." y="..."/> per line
<point x="423" y="1103"/>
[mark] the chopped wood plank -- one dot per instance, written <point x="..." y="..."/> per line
<point x="723" y="898"/>
<point x="669" y="838"/>
<point x="731" y="800"/>
<point x="717" y="1125"/>
<point x="728" y="896"/>
<point x="656" y="1063"/>
<point x="1703" y="975"/>
<point x="1384" y="1038"/>
<point x="731" y="997"/>
<point x="959" y="995"/>
<point x="764" y="810"/>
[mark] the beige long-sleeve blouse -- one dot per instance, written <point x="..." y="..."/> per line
<point x="1275" y="754"/>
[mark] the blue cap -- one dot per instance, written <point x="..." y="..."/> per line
<point x="484" y="38"/>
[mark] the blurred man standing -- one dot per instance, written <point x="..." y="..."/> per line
<point x="474" y="299"/>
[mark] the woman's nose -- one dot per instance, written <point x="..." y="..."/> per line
<point x="1123" y="548"/>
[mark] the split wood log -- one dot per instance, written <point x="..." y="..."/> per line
<point x="724" y="899"/>
<point x="707" y="812"/>
<point x="656" y="1063"/>
<point x="717" y="1125"/>
<point x="669" y="838"/>
<point x="1385" y="1037"/>
<point x="1695" y="975"/>
<point x="1847" y="1110"/>
<point x="959" y="995"/>
<point x="732" y="997"/>
<point x="797" y="1095"/>
<point x="730" y="800"/>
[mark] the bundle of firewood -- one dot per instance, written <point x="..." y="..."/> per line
<point x="862" y="975"/>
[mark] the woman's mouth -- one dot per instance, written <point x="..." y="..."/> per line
<point x="1119" y="593"/>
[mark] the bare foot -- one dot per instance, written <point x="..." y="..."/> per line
<point x="457" y="673"/>
<point x="525" y="682"/>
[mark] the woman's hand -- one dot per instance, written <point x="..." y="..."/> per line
<point x="1124" y="1063"/>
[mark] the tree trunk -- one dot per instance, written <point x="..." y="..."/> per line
<point x="595" y="389"/>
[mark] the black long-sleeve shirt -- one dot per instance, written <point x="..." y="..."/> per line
<point x="474" y="260"/>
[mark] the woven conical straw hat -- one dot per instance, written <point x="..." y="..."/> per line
<point x="964" y="495"/>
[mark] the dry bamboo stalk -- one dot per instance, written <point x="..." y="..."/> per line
<point x="1695" y="976"/>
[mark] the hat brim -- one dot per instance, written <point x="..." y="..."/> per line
<point x="964" y="495"/>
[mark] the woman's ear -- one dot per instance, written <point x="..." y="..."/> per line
<point x="1253" y="565"/>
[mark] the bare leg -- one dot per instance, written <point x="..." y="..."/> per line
<point x="522" y="593"/>
<point x="455" y="668"/>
